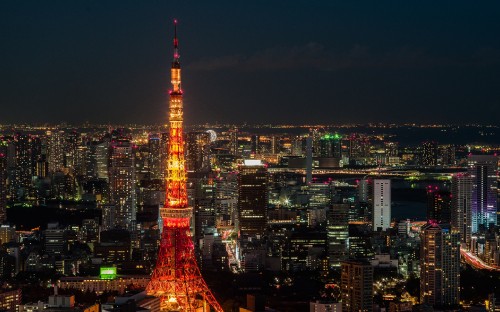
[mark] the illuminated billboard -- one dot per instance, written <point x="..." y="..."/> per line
<point x="108" y="273"/>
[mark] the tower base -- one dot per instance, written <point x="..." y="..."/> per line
<point x="177" y="280"/>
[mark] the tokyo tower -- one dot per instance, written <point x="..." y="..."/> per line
<point x="176" y="279"/>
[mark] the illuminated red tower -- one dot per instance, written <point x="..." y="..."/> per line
<point x="177" y="279"/>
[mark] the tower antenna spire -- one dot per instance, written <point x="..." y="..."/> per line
<point x="176" y="42"/>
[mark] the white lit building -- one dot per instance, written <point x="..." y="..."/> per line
<point x="381" y="204"/>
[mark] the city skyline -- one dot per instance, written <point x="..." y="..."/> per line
<point x="106" y="62"/>
<point x="261" y="216"/>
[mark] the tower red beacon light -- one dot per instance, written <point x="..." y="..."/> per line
<point x="176" y="279"/>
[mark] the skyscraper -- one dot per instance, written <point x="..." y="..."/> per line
<point x="330" y="145"/>
<point x="461" y="199"/>
<point x="255" y="144"/>
<point x="338" y="233"/>
<point x="197" y="151"/>
<point x="275" y="145"/>
<point x="55" y="150"/>
<point x="439" y="265"/>
<point x="101" y="160"/>
<point x="24" y="170"/>
<point x="364" y="190"/>
<point x="381" y="204"/>
<point x="252" y="198"/>
<point x="154" y="157"/>
<point x="482" y="169"/>
<point x="357" y="286"/>
<point x="438" y="205"/>
<point x="122" y="184"/>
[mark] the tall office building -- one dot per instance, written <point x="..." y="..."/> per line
<point x="233" y="141"/>
<point x="439" y="265"/>
<point x="275" y="145"/>
<point x="338" y="233"/>
<point x="482" y="169"/>
<point x="381" y="204"/>
<point x="252" y="198"/>
<point x="122" y="184"/>
<point x="155" y="157"/>
<point x="54" y="239"/>
<point x="330" y="145"/>
<point x="438" y="205"/>
<point x="91" y="161"/>
<point x="197" y="151"/>
<point x="204" y="206"/>
<point x="357" y="286"/>
<point x="255" y="144"/>
<point x="226" y="198"/>
<point x="320" y="195"/>
<point x="461" y="199"/>
<point x="429" y="154"/>
<point x="101" y="160"/>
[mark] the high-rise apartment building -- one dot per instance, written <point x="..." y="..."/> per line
<point x="482" y="169"/>
<point x="72" y="141"/>
<point x="252" y="198"/>
<point x="381" y="204"/>
<point x="439" y="265"/>
<point x="429" y="154"/>
<point x="23" y="162"/>
<point x="461" y="199"/>
<point x="55" y="150"/>
<point x="357" y="286"/>
<point x="3" y="186"/>
<point x="122" y="184"/>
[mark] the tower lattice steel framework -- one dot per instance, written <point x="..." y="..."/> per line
<point x="177" y="279"/>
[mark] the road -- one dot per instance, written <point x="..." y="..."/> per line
<point x="477" y="263"/>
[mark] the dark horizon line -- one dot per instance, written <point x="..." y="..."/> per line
<point x="248" y="124"/>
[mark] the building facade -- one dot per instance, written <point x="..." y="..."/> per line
<point x="381" y="204"/>
<point x="439" y="265"/>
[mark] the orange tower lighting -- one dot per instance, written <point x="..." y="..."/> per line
<point x="176" y="279"/>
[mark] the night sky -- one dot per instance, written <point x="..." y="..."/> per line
<point x="251" y="61"/>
